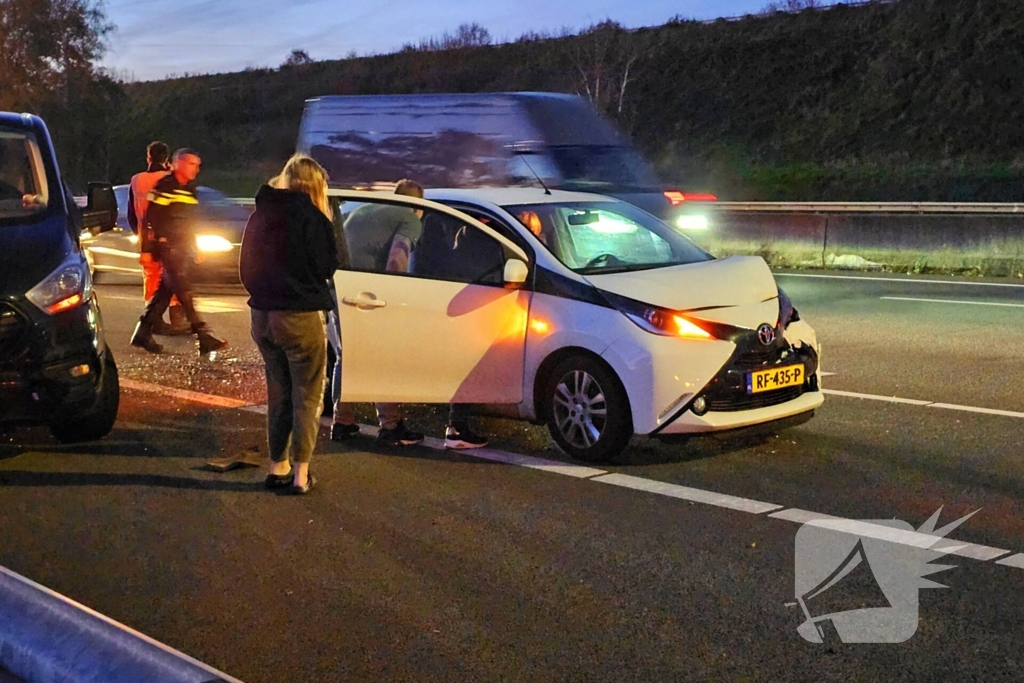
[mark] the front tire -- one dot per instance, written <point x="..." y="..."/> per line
<point x="588" y="413"/>
<point x="98" y="422"/>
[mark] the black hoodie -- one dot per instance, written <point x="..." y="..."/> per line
<point x="288" y="253"/>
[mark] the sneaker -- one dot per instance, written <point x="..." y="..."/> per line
<point x="399" y="436"/>
<point x="343" y="432"/>
<point x="463" y="437"/>
<point x="278" y="481"/>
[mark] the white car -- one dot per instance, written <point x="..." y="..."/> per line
<point x="574" y="310"/>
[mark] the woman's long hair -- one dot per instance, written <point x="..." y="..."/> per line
<point x="303" y="174"/>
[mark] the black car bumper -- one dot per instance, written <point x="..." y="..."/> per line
<point x="51" y="367"/>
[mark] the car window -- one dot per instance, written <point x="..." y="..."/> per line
<point x="121" y="194"/>
<point x="443" y="247"/>
<point x="24" y="190"/>
<point x="215" y="205"/>
<point x="605" y="237"/>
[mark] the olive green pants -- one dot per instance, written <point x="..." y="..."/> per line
<point x="294" y="349"/>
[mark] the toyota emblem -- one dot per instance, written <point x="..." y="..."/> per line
<point x="766" y="334"/>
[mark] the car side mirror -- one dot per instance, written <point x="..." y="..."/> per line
<point x="516" y="272"/>
<point x="100" y="212"/>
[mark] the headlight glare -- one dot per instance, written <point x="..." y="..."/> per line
<point x="213" y="244"/>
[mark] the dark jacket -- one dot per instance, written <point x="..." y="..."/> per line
<point x="288" y="253"/>
<point x="171" y="212"/>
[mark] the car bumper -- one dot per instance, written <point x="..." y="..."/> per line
<point x="55" y="369"/>
<point x="689" y="423"/>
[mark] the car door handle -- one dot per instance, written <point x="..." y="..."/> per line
<point x="364" y="300"/>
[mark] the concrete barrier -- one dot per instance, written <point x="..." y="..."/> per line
<point x="46" y="637"/>
<point x="978" y="243"/>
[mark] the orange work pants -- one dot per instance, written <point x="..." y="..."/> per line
<point x="151" y="272"/>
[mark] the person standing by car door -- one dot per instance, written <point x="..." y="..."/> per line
<point x="157" y="166"/>
<point x="171" y="214"/>
<point x="288" y="257"/>
<point x="381" y="237"/>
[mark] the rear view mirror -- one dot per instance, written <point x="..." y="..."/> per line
<point x="516" y="272"/>
<point x="584" y="218"/>
<point x="100" y="212"/>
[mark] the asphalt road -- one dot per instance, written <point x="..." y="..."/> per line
<point x="419" y="564"/>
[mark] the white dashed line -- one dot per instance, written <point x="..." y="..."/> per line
<point x="911" y="538"/>
<point x="874" y="397"/>
<point x="950" y="301"/>
<point x="901" y="279"/>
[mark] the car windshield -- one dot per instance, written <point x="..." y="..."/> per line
<point x="215" y="205"/>
<point x="606" y="237"/>
<point x="598" y="168"/>
<point x="23" y="187"/>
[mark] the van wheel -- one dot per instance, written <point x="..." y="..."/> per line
<point x="588" y="411"/>
<point x="98" y="422"/>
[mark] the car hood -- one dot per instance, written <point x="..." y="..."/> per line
<point x="28" y="253"/>
<point x="739" y="290"/>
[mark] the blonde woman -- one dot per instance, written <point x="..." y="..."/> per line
<point x="288" y="255"/>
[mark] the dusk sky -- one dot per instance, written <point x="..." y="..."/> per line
<point x="154" y="39"/>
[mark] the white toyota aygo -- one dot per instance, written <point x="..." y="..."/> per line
<point x="573" y="310"/>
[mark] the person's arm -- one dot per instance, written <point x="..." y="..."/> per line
<point x="133" y="220"/>
<point x="324" y="248"/>
<point x="402" y="243"/>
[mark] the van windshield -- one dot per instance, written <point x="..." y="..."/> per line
<point x="606" y="237"/>
<point x="23" y="188"/>
<point x="603" y="168"/>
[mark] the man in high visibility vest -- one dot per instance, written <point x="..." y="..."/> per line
<point x="171" y="216"/>
<point x="157" y="166"/>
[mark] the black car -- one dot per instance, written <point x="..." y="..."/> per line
<point x="55" y="365"/>
<point x="220" y="223"/>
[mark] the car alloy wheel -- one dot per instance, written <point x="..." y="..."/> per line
<point x="581" y="411"/>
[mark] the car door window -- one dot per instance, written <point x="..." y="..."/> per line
<point x="443" y="246"/>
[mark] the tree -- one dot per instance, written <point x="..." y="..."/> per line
<point x="604" y="57"/>
<point x="790" y="6"/>
<point x="465" y="36"/>
<point x="46" y="47"/>
<point x="297" y="58"/>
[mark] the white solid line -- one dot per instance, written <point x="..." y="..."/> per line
<point x="926" y="404"/>
<point x="866" y="529"/>
<point x="874" y="397"/>
<point x="194" y="396"/>
<point x="950" y="301"/>
<point x="914" y="539"/>
<point x="900" y="279"/>
<point x="1016" y="561"/>
<point x="826" y="374"/>
<point x="686" y="493"/>
<point x="973" y="409"/>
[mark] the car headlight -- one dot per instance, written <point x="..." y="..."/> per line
<point x="657" y="320"/>
<point x="65" y="288"/>
<point x="213" y="244"/>
<point x="692" y="222"/>
<point x="787" y="313"/>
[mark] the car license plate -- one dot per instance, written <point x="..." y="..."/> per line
<point x="775" y="378"/>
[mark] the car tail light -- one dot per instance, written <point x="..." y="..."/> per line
<point x="677" y="197"/>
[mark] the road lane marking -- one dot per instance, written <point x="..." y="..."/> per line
<point x="950" y="301"/>
<point x="875" y="397"/>
<point x="826" y="374"/>
<point x="901" y="279"/>
<point x="925" y="404"/>
<point x="686" y="493"/>
<point x="913" y="538"/>
<point x="185" y="395"/>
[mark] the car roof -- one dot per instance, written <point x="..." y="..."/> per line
<point x="513" y="196"/>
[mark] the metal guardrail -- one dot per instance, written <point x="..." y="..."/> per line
<point x="866" y="207"/>
<point x="45" y="636"/>
<point x="834" y="207"/>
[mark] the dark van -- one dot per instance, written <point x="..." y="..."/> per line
<point x="55" y="365"/>
<point x="482" y="140"/>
